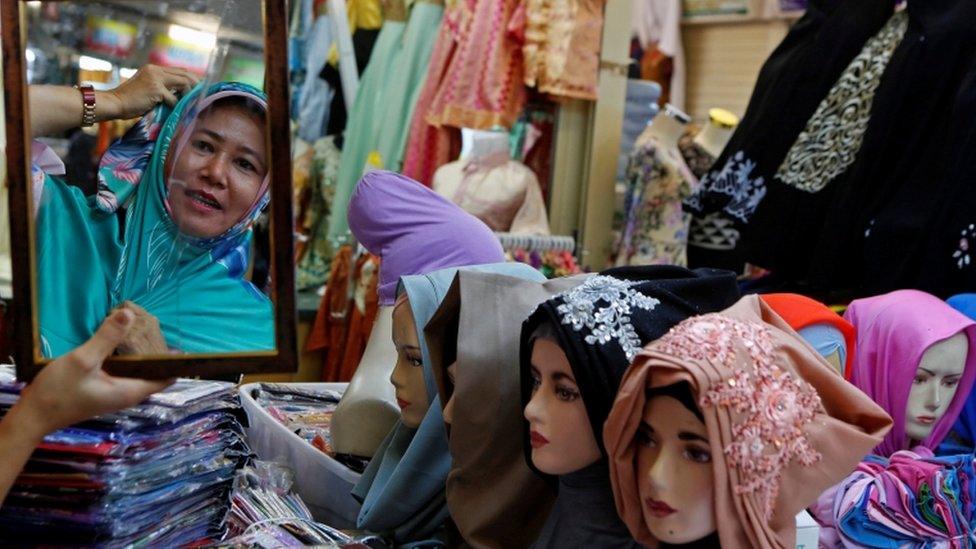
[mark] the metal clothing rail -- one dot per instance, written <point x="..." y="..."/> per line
<point x="537" y="243"/>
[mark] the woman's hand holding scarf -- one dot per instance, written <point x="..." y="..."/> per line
<point x="150" y="86"/>
<point x="145" y="337"/>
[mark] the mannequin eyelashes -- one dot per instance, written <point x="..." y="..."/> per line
<point x="408" y="374"/>
<point x="674" y="464"/>
<point x="560" y="434"/>
<point x="935" y="384"/>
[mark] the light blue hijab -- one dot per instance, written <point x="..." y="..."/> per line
<point x="403" y="488"/>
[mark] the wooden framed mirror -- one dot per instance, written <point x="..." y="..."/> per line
<point x="186" y="210"/>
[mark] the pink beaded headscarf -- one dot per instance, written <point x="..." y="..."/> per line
<point x="893" y="332"/>
<point x="783" y="425"/>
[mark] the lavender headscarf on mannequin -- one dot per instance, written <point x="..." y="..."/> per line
<point x="893" y="332"/>
<point x="415" y="230"/>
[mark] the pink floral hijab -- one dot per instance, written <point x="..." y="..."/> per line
<point x="782" y="424"/>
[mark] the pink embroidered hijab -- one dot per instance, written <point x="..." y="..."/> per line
<point x="783" y="425"/>
<point x="893" y="332"/>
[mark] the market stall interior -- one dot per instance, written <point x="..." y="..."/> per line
<point x="176" y="216"/>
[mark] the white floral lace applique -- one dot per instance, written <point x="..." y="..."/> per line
<point x="610" y="322"/>
<point x="966" y="239"/>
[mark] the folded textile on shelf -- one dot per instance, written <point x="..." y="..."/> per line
<point x="158" y="473"/>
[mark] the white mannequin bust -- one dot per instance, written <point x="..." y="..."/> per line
<point x="935" y="385"/>
<point x="368" y="408"/>
<point x="716" y="134"/>
<point x="668" y="126"/>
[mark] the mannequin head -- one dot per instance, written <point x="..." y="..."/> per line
<point x="408" y="374"/>
<point x="674" y="464"/>
<point x="935" y="385"/>
<point x="560" y="433"/>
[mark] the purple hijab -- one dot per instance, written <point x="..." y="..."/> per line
<point x="893" y="332"/>
<point x="415" y="231"/>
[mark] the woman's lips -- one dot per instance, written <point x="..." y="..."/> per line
<point x="537" y="440"/>
<point x="203" y="201"/>
<point x="925" y="420"/>
<point x="657" y="508"/>
<point x="402" y="403"/>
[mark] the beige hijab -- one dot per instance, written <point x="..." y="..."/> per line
<point x="783" y="425"/>
<point x="493" y="497"/>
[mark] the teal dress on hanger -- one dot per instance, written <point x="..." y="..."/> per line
<point x="86" y="266"/>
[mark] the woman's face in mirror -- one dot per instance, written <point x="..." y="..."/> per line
<point x="408" y="374"/>
<point x="561" y="437"/>
<point x="674" y="472"/>
<point x="215" y="180"/>
<point x="935" y="385"/>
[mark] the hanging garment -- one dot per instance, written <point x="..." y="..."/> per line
<point x="712" y="238"/>
<point x="315" y="96"/>
<point x="477" y="327"/>
<point x="655" y="226"/>
<point x="736" y="364"/>
<point x="893" y="332"/>
<point x="657" y="27"/>
<point x="363" y="42"/>
<point x="562" y="46"/>
<point x="917" y="226"/>
<point x="503" y="193"/>
<point x="803" y="313"/>
<point x="482" y="86"/>
<point x="313" y="266"/>
<point x="384" y="103"/>
<point x="791" y="85"/>
<point x="428" y="146"/>
<point x="195" y="287"/>
<point x="600" y="342"/>
<point x="962" y="438"/>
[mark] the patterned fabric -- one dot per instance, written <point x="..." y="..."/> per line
<point x="833" y="136"/>
<point x="782" y="425"/>
<point x="608" y="323"/>
<point x="712" y="231"/>
<point x="772" y="405"/>
<point x="482" y="86"/>
<point x="313" y="268"/>
<point x="562" y="46"/>
<point x="655" y="226"/>
<point x="195" y="287"/>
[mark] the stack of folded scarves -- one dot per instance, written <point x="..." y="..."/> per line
<point x="908" y="500"/>
<point x="156" y="474"/>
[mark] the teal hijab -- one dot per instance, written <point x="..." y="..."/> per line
<point x="403" y="488"/>
<point x="195" y="287"/>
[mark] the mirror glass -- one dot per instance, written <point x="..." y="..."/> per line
<point x="164" y="211"/>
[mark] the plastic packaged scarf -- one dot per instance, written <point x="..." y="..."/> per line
<point x="194" y="287"/>
<point x="893" y="332"/>
<point x="782" y="425"/>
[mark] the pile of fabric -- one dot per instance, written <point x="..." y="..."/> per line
<point x="306" y="413"/>
<point x="158" y="473"/>
<point x="908" y="500"/>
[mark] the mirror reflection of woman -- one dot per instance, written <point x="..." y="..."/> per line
<point x="192" y="177"/>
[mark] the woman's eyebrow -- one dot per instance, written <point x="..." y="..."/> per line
<point x="687" y="435"/>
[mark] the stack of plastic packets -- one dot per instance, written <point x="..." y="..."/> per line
<point x="156" y="474"/>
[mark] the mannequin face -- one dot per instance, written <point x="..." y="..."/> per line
<point x="561" y="436"/>
<point x="935" y="384"/>
<point x="674" y="464"/>
<point x="408" y="374"/>
<point x="449" y="407"/>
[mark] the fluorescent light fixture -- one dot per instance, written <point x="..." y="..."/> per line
<point x="205" y="40"/>
<point x="30" y="55"/>
<point x="125" y="72"/>
<point x="87" y="63"/>
<point x="34" y="4"/>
